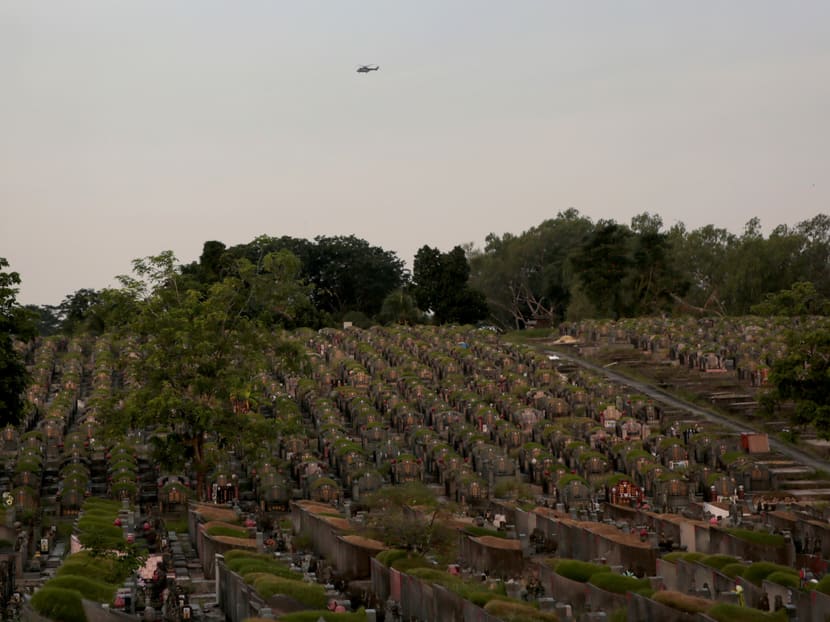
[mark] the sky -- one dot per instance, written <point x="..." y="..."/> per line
<point x="132" y="127"/>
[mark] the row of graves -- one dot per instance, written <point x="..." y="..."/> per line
<point x="480" y="420"/>
<point x="541" y="458"/>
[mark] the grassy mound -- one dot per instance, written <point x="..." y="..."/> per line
<point x="620" y="584"/>
<point x="91" y="589"/>
<point x="726" y="612"/>
<point x="59" y="603"/>
<point x="682" y="602"/>
<point x="759" y="571"/>
<point x="517" y="612"/>
<point x="579" y="571"/>
<point x="758" y="537"/>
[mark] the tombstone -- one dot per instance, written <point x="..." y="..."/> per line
<point x="371" y="615"/>
<point x="266" y="613"/>
<point x="564" y="612"/>
<point x="547" y="603"/>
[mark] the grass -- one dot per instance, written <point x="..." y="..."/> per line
<point x="517" y="612"/>
<point x="620" y="584"/>
<point x="759" y="571"/>
<point x="389" y="556"/>
<point x="822" y="586"/>
<point x="757" y="537"/>
<point x="311" y="595"/>
<point x="476" y="592"/>
<point x="686" y="557"/>
<point x="477" y="532"/>
<point x="787" y="579"/>
<point x="231" y="532"/>
<point x="734" y="570"/>
<point x="718" y="561"/>
<point x="91" y="589"/>
<point x="59" y="603"/>
<point x="576" y="570"/>
<point x="727" y="612"/>
<point x="176" y="525"/>
<point x="313" y="616"/>
<point x="682" y="602"/>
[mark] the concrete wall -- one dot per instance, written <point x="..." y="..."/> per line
<point x="496" y="562"/>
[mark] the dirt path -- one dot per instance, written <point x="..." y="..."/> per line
<point x="710" y="415"/>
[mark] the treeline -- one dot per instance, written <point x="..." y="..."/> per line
<point x="568" y="267"/>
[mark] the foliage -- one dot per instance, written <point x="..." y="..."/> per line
<point x="483" y="531"/>
<point x="787" y="579"/>
<point x="59" y="603"/>
<point x="517" y="612"/>
<point x="91" y="589"/>
<point x="617" y="583"/>
<point x="15" y="323"/>
<point x="576" y="570"/>
<point x="309" y="594"/>
<point x="727" y="612"/>
<point x="803" y="377"/>
<point x="822" y="586"/>
<point x="227" y="530"/>
<point x="759" y="571"/>
<point x="475" y="592"/>
<point x="757" y="537"/>
<point x="718" y="561"/>
<point x="328" y="616"/>
<point x="801" y="299"/>
<point x="734" y="570"/>
<point x="683" y="602"/>
<point x="440" y="285"/>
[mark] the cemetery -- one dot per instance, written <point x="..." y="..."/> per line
<point x="420" y="473"/>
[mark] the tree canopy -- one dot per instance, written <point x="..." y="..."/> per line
<point x="16" y="323"/>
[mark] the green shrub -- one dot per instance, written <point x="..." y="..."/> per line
<point x="309" y="594"/>
<point x="617" y="583"/>
<point x="96" y="591"/>
<point x="718" y="561"/>
<point x="579" y="571"/>
<point x="822" y="586"/>
<point x="682" y="602"/>
<point x="727" y="612"/>
<point x="388" y="556"/>
<point x="98" y="568"/>
<point x="328" y="616"/>
<point x="59" y="603"/>
<point x="244" y="566"/>
<point x="734" y="570"/>
<point x="758" y="537"/>
<point x="223" y="530"/>
<point x="759" y="571"/>
<point x="787" y="579"/>
<point x="405" y="564"/>
<point x="477" y="532"/>
<point x="686" y="557"/>
<point x="510" y="611"/>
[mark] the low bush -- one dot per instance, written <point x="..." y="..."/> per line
<point x="759" y="571"/>
<point x="95" y="590"/>
<point x="682" y="602"/>
<point x="620" y="584"/>
<point x="734" y="570"/>
<point x="59" y="603"/>
<point x="309" y="594"/>
<point x="579" y="571"/>
<point x="388" y="556"/>
<point x="244" y="566"/>
<point x="822" y="586"/>
<point x="518" y="612"/>
<point x="718" y="561"/>
<point x="405" y="564"/>
<point x="787" y="579"/>
<point x="758" y="537"/>
<point x="328" y="616"/>
<point x="727" y="612"/>
<point x="98" y="568"/>
<point x="477" y="532"/>
<point x="227" y="530"/>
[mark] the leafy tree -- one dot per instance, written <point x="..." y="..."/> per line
<point x="198" y="351"/>
<point x="399" y="308"/>
<point x="803" y="378"/>
<point x="46" y="319"/>
<point x="529" y="277"/>
<point x="74" y="310"/>
<point x="801" y="299"/>
<point x="441" y="286"/>
<point x="16" y="323"/>
<point x="603" y="264"/>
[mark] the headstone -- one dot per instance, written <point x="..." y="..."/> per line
<point x="371" y="615"/>
<point x="564" y="612"/>
<point x="266" y="613"/>
<point x="547" y="604"/>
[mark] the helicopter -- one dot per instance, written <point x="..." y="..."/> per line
<point x="367" y="68"/>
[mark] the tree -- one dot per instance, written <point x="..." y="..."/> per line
<point x="603" y="265"/>
<point x="801" y="299"/>
<point x="441" y="286"/>
<point x="200" y="350"/>
<point x="802" y="377"/>
<point x="399" y="308"/>
<point x="16" y="323"/>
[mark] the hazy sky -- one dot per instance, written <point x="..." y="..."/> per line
<point x="131" y="127"/>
